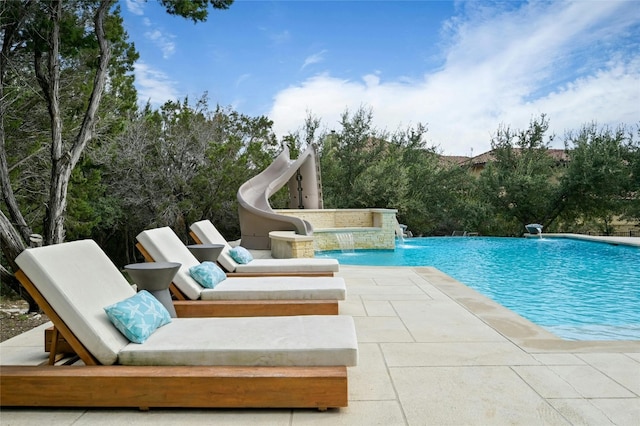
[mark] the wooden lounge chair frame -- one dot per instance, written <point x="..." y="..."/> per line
<point x="94" y="385"/>
<point x="244" y="308"/>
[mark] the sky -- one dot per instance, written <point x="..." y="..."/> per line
<point x="462" y="68"/>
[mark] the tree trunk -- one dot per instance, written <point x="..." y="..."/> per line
<point x="12" y="246"/>
<point x="54" y="225"/>
<point x="54" y="218"/>
<point x="63" y="161"/>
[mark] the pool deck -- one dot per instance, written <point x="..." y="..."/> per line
<point x="432" y="352"/>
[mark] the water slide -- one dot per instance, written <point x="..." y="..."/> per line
<point x="257" y="218"/>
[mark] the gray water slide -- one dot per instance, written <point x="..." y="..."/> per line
<point x="257" y="218"/>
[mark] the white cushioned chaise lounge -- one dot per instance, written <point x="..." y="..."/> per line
<point x="205" y="232"/>
<point x="205" y="362"/>
<point x="240" y="296"/>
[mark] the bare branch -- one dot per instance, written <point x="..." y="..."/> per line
<point x="85" y="133"/>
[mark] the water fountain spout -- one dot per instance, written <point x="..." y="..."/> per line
<point x="534" y="229"/>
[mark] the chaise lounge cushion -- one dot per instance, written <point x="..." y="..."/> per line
<point x="289" y="265"/>
<point x="307" y="340"/>
<point x="278" y="288"/>
<point x="61" y="273"/>
<point x="207" y="233"/>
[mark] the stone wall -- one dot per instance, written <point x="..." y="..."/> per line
<point x="363" y="228"/>
<point x="288" y="244"/>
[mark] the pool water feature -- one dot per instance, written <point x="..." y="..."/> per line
<point x="578" y="290"/>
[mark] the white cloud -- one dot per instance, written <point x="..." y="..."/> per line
<point x="135" y="6"/>
<point x="314" y="59"/>
<point x="242" y="78"/>
<point x="154" y="86"/>
<point x="609" y="96"/>
<point x="163" y="40"/>
<point x="501" y="67"/>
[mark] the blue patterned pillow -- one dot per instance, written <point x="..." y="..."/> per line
<point x="138" y="316"/>
<point x="240" y="255"/>
<point x="207" y="274"/>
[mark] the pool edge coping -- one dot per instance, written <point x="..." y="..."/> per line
<point x="616" y="241"/>
<point x="519" y="330"/>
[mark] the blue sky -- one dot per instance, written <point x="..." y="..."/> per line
<point x="463" y="68"/>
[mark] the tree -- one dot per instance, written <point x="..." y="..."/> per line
<point x="441" y="197"/>
<point x="598" y="183"/>
<point x="177" y="165"/>
<point x="57" y="35"/>
<point x="631" y="205"/>
<point x="353" y="162"/>
<point x="519" y="181"/>
<point x="38" y="26"/>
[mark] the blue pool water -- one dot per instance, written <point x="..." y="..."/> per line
<point x="576" y="289"/>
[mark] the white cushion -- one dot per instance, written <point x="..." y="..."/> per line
<point x="207" y="233"/>
<point x="164" y="246"/>
<point x="278" y="288"/>
<point x="309" y="340"/>
<point x="79" y="280"/>
<point x="290" y="265"/>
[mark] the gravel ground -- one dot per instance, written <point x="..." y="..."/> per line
<point x="15" y="320"/>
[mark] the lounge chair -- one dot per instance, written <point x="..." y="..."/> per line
<point x="204" y="232"/>
<point x="239" y="296"/>
<point x="297" y="361"/>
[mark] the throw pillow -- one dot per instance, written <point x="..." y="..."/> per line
<point x="240" y="255"/>
<point x="138" y="316"/>
<point x="207" y="274"/>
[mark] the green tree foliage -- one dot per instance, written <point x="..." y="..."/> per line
<point x="196" y="10"/>
<point x="524" y="184"/>
<point x="27" y="120"/>
<point x="520" y="180"/>
<point x="441" y="198"/>
<point x="631" y="205"/>
<point x="55" y="63"/>
<point x="345" y="156"/>
<point x="48" y="111"/>
<point x="244" y="147"/>
<point x="361" y="166"/>
<point x="599" y="180"/>
<point x="364" y="167"/>
<point x="180" y="164"/>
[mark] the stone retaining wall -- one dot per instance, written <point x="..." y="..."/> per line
<point x="369" y="228"/>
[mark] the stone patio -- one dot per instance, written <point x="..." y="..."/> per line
<point x="432" y="352"/>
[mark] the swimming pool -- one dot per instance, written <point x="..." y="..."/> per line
<point x="578" y="290"/>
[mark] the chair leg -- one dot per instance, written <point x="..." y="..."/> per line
<point x="53" y="350"/>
